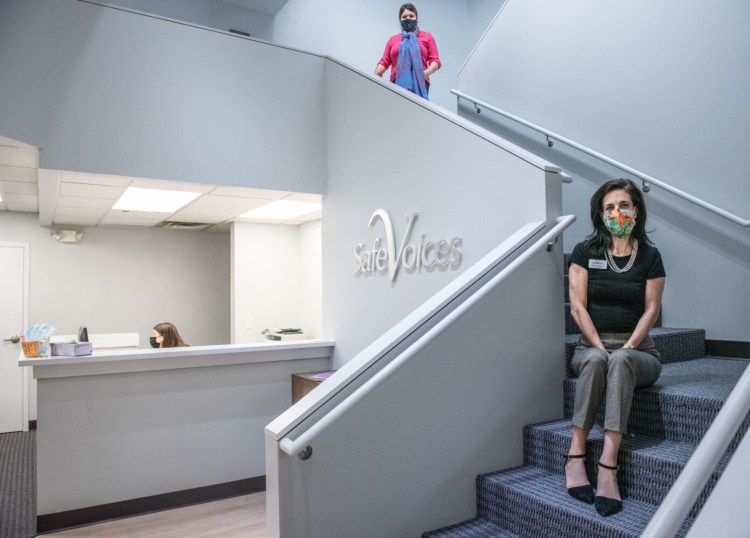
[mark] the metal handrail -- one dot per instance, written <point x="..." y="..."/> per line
<point x="299" y="445"/>
<point x="647" y="180"/>
<point x="689" y="485"/>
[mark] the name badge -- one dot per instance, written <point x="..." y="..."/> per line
<point x="597" y="264"/>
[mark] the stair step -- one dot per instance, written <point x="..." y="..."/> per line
<point x="648" y="466"/>
<point x="683" y="402"/>
<point x="529" y="501"/>
<point x="572" y="328"/>
<point x="674" y="344"/>
<point x="473" y="528"/>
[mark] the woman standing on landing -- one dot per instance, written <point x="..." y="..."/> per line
<point x="412" y="55"/>
<point x="616" y="284"/>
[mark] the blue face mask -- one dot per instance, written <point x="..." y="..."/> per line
<point x="408" y="25"/>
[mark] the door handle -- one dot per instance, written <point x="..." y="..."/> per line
<point x="13" y="339"/>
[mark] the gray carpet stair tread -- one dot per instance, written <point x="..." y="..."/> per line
<point x="648" y="466"/>
<point x="529" y="501"/>
<point x="474" y="528"/>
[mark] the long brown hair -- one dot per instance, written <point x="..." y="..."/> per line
<point x="600" y="240"/>
<point x="172" y="338"/>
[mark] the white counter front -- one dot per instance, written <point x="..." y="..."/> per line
<point x="118" y="426"/>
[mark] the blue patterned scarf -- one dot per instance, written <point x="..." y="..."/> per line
<point x="409" y="72"/>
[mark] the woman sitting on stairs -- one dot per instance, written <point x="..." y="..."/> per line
<point x="616" y="283"/>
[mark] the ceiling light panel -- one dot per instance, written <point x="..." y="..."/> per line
<point x="153" y="200"/>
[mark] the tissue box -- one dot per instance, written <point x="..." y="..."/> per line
<point x="71" y="349"/>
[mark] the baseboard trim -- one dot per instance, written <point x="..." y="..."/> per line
<point x="144" y="505"/>
<point x="728" y="348"/>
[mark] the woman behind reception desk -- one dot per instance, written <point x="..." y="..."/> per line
<point x="166" y="335"/>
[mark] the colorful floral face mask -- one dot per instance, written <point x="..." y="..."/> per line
<point x="619" y="222"/>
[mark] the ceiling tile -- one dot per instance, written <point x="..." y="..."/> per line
<point x="244" y="192"/>
<point x="24" y="208"/>
<point x="78" y="201"/>
<point x="27" y="157"/>
<point x="170" y="185"/>
<point x="17" y="173"/>
<point x="133" y="218"/>
<point x="304" y="197"/>
<point x="19" y="187"/>
<point x="90" y="191"/>
<point x="96" y="179"/>
<point x="239" y="205"/>
<point x="26" y="199"/>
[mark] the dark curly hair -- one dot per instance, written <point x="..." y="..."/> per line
<point x="600" y="240"/>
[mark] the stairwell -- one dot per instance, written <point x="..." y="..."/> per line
<point x="667" y="421"/>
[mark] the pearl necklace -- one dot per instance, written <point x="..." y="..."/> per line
<point x="630" y="263"/>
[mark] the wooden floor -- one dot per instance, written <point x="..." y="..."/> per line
<point x="239" y="516"/>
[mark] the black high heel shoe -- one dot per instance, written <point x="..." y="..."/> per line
<point x="604" y="505"/>
<point x="582" y="493"/>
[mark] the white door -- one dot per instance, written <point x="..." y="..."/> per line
<point x="14" y="259"/>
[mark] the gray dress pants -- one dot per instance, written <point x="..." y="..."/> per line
<point x="614" y="376"/>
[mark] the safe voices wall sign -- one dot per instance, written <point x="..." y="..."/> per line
<point x="413" y="256"/>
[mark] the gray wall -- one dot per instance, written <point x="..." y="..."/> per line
<point x="660" y="86"/>
<point x="462" y="185"/>
<point x="127" y="280"/>
<point x="211" y="13"/>
<point x="357" y="34"/>
<point x="170" y="101"/>
<point x="404" y="460"/>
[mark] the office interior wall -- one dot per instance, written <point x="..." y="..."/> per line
<point x="311" y="278"/>
<point x="659" y="86"/>
<point x="127" y="280"/>
<point x="211" y="13"/>
<point x="356" y="33"/>
<point x="275" y="278"/>
<point x="460" y="184"/>
<point x="126" y="94"/>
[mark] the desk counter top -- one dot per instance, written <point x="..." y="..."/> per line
<point x="135" y="360"/>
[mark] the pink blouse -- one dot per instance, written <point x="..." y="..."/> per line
<point x="427" y="47"/>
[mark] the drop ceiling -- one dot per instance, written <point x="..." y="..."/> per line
<point x="75" y="199"/>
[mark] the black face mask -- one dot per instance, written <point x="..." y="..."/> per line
<point x="408" y="25"/>
<point x="153" y="342"/>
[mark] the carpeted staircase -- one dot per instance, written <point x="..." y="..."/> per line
<point x="667" y="421"/>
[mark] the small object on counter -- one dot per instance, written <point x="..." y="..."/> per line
<point x="44" y="347"/>
<point x="71" y="349"/>
<point x="30" y="349"/>
<point x="284" y="334"/>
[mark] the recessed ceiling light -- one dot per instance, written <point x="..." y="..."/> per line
<point x="154" y="200"/>
<point x="282" y="210"/>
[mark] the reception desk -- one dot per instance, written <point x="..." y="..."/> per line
<point x="120" y="433"/>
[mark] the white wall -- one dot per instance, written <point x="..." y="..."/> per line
<point x="311" y="278"/>
<point x="127" y="280"/>
<point x="461" y="184"/>
<point x="632" y="80"/>
<point x="211" y="13"/>
<point x="356" y="33"/>
<point x="120" y="93"/>
<point x="275" y="278"/>
<point x="404" y="460"/>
